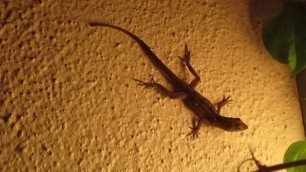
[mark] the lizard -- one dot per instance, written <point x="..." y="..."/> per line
<point x="201" y="106"/>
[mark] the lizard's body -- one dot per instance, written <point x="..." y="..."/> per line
<point x="201" y="106"/>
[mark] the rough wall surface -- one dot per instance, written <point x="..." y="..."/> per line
<point x="67" y="101"/>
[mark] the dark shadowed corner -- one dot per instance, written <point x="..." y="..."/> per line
<point x="259" y="11"/>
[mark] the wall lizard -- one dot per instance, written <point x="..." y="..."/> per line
<point x="200" y="105"/>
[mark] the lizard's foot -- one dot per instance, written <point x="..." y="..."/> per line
<point x="194" y="133"/>
<point x="224" y="101"/>
<point x="186" y="58"/>
<point x="152" y="83"/>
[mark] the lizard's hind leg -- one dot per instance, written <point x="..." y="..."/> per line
<point x="162" y="89"/>
<point x="186" y="60"/>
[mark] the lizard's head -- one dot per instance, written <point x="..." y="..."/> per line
<point x="232" y="124"/>
<point x="237" y="125"/>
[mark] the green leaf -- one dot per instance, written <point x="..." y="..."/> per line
<point x="284" y="36"/>
<point x="296" y="151"/>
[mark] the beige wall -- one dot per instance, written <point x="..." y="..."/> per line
<point x="67" y="101"/>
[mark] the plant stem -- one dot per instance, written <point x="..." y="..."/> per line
<point x="301" y="86"/>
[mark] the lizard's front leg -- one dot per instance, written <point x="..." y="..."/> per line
<point x="196" y="125"/>
<point x="162" y="89"/>
<point x="223" y="102"/>
<point x="186" y="60"/>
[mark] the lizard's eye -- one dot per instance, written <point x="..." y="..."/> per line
<point x="237" y="127"/>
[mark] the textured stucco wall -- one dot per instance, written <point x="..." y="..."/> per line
<point x="67" y="101"/>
